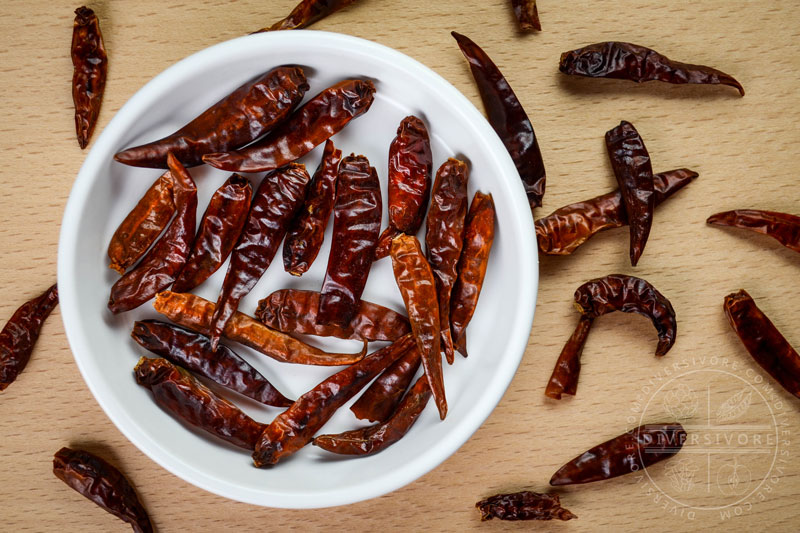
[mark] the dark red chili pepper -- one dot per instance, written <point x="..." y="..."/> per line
<point x="356" y="224"/>
<point x="277" y="201"/>
<point x="763" y="341"/>
<point x="246" y="114"/>
<point x="564" y="379"/>
<point x="295" y="427"/>
<point x="165" y="259"/>
<point x="295" y="311"/>
<point x="311" y="125"/>
<point x="527" y="15"/>
<point x="103" y="484"/>
<point x="20" y="333"/>
<point x="630" y="452"/>
<point x="382" y="397"/>
<point x="220" y="226"/>
<point x="782" y="227"/>
<point x="307" y="231"/>
<point x="306" y="13"/>
<point x="525" y="505"/>
<point x="91" y="67"/>
<point x="628" y="61"/>
<point x="508" y="119"/>
<point x="193" y="351"/>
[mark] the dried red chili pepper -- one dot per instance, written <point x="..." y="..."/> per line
<point x="628" y="61"/>
<point x="103" y="484"/>
<point x="306" y="13"/>
<point x="277" y="200"/>
<point x="565" y="229"/>
<point x="630" y="452"/>
<point x="165" y="259"/>
<point x="220" y="227"/>
<point x="382" y="397"/>
<point x="295" y="427"/>
<point x="20" y="333"/>
<point x="634" y="173"/>
<point x="193" y="351"/>
<point x="312" y="124"/>
<point x="307" y="231"/>
<point x="508" y="119"/>
<point x="525" y="505"/>
<point x="246" y="114"/>
<point x="564" y="379"/>
<point x="782" y="227"/>
<point x="195" y="313"/>
<point x="763" y="341"/>
<point x="295" y="311"/>
<point x="478" y="239"/>
<point x="91" y="67"/>
<point x="356" y="224"/>
<point x="527" y="15"/>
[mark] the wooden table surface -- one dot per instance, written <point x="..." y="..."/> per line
<point x="745" y="150"/>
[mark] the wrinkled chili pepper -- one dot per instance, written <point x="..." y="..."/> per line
<point x="179" y="393"/>
<point x="564" y="379"/>
<point x="525" y="505"/>
<point x="193" y="351"/>
<point x="382" y="397"/>
<point x="508" y="119"/>
<point x="20" y="333"/>
<point x="444" y="237"/>
<point x="165" y="259"/>
<point x="634" y="173"/>
<point x="89" y="77"/>
<point x="307" y="231"/>
<point x="763" y="341"/>
<point x="295" y="427"/>
<point x="418" y="288"/>
<point x="312" y="124"/>
<point x="143" y="225"/>
<point x="103" y="484"/>
<point x="565" y="229"/>
<point x="241" y="117"/>
<point x="628" y="61"/>
<point x="527" y="15"/>
<point x="356" y="224"/>
<point x="782" y="227"/>
<point x="277" y="200"/>
<point x="195" y="313"/>
<point x="478" y="239"/>
<point x="295" y="311"/>
<point x="220" y="226"/>
<point x="306" y="13"/>
<point x="630" y="452"/>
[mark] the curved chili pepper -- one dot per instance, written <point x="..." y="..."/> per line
<point x="356" y="224"/>
<point x="763" y="341"/>
<point x="220" y="226"/>
<point x="193" y="351"/>
<point x="382" y="397"/>
<point x="312" y="124"/>
<point x="630" y="452"/>
<point x="508" y="119"/>
<point x="143" y="225"/>
<point x="103" y="484"/>
<point x="628" y="61"/>
<point x="564" y="379"/>
<point x="89" y="77"/>
<point x="631" y="164"/>
<point x="195" y="313"/>
<point x="179" y="393"/>
<point x="307" y="231"/>
<point x="565" y="229"/>
<point x="525" y="505"/>
<point x="246" y="114"/>
<point x="782" y="227"/>
<point x="165" y="259"/>
<point x="306" y="13"/>
<point x="277" y="201"/>
<point x="20" y="333"/>
<point x="295" y="427"/>
<point x="527" y="15"/>
<point x="295" y="311"/>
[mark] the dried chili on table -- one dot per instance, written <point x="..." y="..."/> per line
<point x="382" y="397"/>
<point x="527" y="15"/>
<point x="103" y="484"/>
<point x="782" y="227"/>
<point x="525" y="505"/>
<point x="239" y="118"/>
<point x="628" y="61"/>
<point x="508" y="119"/>
<point x="564" y="379"/>
<point x="316" y="121"/>
<point x="20" y="333"/>
<point x="90" y="64"/>
<point x="306" y="13"/>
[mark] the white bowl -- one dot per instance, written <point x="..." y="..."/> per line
<point x="105" y="191"/>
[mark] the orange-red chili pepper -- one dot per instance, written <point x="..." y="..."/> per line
<point x="782" y="227"/>
<point x="381" y="398"/>
<point x="90" y="62"/>
<point x="564" y="379"/>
